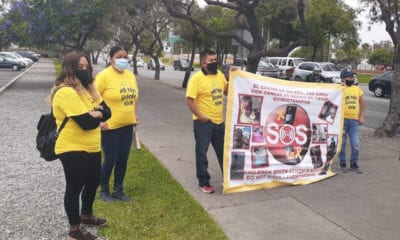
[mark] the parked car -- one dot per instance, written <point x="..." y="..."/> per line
<point x="11" y="56"/>
<point x="151" y="65"/>
<point x="329" y="72"/>
<point x="7" y="62"/>
<point x="264" y="68"/>
<point x="285" y="65"/>
<point x="29" y="54"/>
<point x="381" y="85"/>
<point x="27" y="61"/>
<point x="139" y="61"/>
<point x="268" y="69"/>
<point x="182" y="64"/>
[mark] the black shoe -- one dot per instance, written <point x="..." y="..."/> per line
<point x="344" y="169"/>
<point x="355" y="169"/>
<point x="105" y="196"/>
<point x="120" y="195"/>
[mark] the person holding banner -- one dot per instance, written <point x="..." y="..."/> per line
<point x="354" y="106"/>
<point x="205" y="97"/>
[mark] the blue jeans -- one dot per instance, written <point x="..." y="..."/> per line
<point x="116" y="145"/>
<point x="204" y="134"/>
<point x="350" y="128"/>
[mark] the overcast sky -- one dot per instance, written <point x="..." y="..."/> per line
<point x="376" y="34"/>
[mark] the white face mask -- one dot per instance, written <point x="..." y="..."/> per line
<point x="121" y="64"/>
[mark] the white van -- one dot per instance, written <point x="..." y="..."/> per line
<point x="285" y="65"/>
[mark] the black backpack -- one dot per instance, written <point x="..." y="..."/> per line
<point x="47" y="136"/>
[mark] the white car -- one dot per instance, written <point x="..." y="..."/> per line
<point x="329" y="72"/>
<point x="27" y="61"/>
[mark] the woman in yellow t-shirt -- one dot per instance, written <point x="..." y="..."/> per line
<point x="119" y="89"/>
<point x="78" y="145"/>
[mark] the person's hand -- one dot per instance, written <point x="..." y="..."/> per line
<point x="361" y="120"/>
<point x="204" y="119"/>
<point x="104" y="126"/>
<point x="96" y="114"/>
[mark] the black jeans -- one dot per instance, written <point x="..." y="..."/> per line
<point x="116" y="145"/>
<point x="82" y="176"/>
<point x="204" y="134"/>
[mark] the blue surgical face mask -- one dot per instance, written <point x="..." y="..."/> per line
<point x="121" y="64"/>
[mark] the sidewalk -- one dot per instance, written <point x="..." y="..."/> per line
<point x="347" y="206"/>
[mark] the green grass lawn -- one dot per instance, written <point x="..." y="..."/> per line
<point x="161" y="208"/>
<point x="364" y="77"/>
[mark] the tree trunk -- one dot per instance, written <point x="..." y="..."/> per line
<point x="390" y="126"/>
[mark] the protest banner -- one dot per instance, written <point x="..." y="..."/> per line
<point x="279" y="132"/>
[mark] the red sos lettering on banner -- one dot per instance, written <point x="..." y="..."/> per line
<point x="287" y="133"/>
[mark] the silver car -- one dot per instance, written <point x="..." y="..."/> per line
<point x="329" y="72"/>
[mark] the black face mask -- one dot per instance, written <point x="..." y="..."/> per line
<point x="212" y="67"/>
<point x="349" y="83"/>
<point x="85" y="76"/>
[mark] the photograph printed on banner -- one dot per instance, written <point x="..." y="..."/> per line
<point x="237" y="166"/>
<point x="316" y="156"/>
<point x="249" y="109"/>
<point x="259" y="157"/>
<point x="241" y="137"/>
<point x="319" y="133"/>
<point x="328" y="112"/>
<point x="332" y="146"/>
<point x="258" y="135"/>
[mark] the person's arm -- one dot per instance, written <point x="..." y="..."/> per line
<point x="362" y="109"/>
<point x="90" y="120"/>
<point x="192" y="106"/>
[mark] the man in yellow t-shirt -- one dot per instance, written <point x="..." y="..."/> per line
<point x="354" y="106"/>
<point x="205" y="97"/>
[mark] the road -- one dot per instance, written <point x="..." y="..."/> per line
<point x="375" y="113"/>
<point x="376" y="108"/>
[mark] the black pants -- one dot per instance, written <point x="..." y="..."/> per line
<point x="82" y="176"/>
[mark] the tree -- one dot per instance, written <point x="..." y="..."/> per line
<point x="246" y="19"/>
<point x="381" y="56"/>
<point x="69" y="24"/>
<point x="388" y="12"/>
<point x="156" y="28"/>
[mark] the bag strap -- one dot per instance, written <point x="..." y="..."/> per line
<point x="63" y="124"/>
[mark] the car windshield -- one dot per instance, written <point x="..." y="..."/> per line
<point x="298" y="61"/>
<point x="329" y="67"/>
<point x="184" y="62"/>
<point x="265" y="64"/>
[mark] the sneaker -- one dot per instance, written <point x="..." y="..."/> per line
<point x="120" y="195"/>
<point x="207" y="189"/>
<point x="355" y="169"/>
<point x="344" y="169"/>
<point x="105" y="196"/>
<point x="79" y="234"/>
<point x="93" y="221"/>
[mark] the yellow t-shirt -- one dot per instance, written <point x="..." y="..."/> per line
<point x="68" y="103"/>
<point x="208" y="94"/>
<point x="120" y="92"/>
<point x="352" y="96"/>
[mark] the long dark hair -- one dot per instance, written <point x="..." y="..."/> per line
<point x="69" y="66"/>
<point x="67" y="77"/>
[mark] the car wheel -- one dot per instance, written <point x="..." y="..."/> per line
<point x="15" y="68"/>
<point x="298" y="78"/>
<point x="378" y="92"/>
